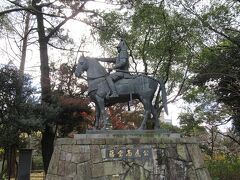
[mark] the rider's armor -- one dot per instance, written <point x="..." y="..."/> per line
<point x="121" y="66"/>
<point x="122" y="63"/>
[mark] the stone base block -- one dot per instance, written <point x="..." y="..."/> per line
<point x="127" y="156"/>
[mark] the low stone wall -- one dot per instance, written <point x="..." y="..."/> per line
<point x="125" y="156"/>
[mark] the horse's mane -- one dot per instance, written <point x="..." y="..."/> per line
<point x="95" y="63"/>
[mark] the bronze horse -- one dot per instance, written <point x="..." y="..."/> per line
<point x="140" y="87"/>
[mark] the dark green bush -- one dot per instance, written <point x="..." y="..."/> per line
<point x="37" y="163"/>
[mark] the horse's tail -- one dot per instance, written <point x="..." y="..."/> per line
<point x="164" y="94"/>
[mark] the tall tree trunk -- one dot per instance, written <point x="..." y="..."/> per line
<point x="47" y="146"/>
<point x="47" y="134"/>
<point x="23" y="59"/>
<point x="44" y="67"/>
<point x="24" y="47"/>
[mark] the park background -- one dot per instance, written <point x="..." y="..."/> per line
<point x="192" y="45"/>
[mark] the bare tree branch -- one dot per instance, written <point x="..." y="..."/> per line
<point x="29" y="9"/>
<point x="52" y="45"/>
<point x="182" y="84"/>
<point x="157" y="66"/>
<point x="11" y="10"/>
<point x="143" y="53"/>
<point x="64" y="21"/>
<point x="47" y="4"/>
<point x="227" y="135"/>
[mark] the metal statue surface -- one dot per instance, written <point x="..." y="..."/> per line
<point x="122" y="86"/>
<point x="121" y="66"/>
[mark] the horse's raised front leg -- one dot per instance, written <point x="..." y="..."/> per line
<point x="103" y="113"/>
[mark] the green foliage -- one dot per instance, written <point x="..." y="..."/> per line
<point x="224" y="169"/>
<point x="18" y="113"/>
<point x="156" y="35"/>
<point x="115" y="20"/>
<point x="171" y="128"/>
<point x="190" y="126"/>
<point x="162" y="40"/>
<point x="217" y="78"/>
<point x="37" y="163"/>
<point x="213" y="91"/>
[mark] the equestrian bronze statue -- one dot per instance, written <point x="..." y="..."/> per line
<point x="107" y="89"/>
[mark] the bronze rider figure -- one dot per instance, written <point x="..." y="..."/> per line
<point x="121" y="67"/>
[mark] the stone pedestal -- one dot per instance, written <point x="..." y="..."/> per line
<point x="126" y="155"/>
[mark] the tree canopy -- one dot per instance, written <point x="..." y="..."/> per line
<point x="16" y="115"/>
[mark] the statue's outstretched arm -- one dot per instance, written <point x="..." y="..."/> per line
<point x="112" y="60"/>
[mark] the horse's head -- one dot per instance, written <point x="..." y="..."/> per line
<point x="81" y="67"/>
